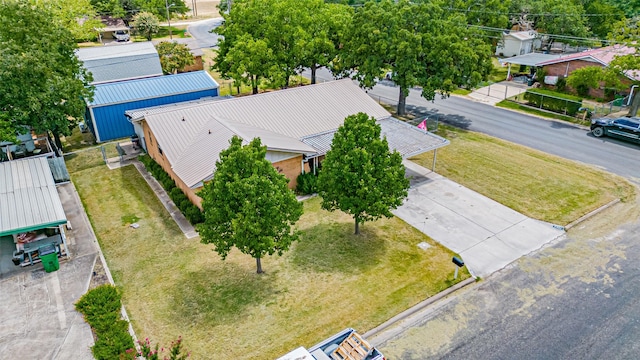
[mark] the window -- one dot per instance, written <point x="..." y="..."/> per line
<point x="160" y="150"/>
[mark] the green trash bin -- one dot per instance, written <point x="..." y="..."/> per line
<point x="49" y="257"/>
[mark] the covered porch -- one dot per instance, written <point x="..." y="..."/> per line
<point x="31" y="215"/>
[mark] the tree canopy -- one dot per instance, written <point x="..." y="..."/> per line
<point x="42" y="82"/>
<point x="248" y="205"/>
<point x="174" y="57"/>
<point x="360" y="175"/>
<point x="146" y="24"/>
<point x="421" y="44"/>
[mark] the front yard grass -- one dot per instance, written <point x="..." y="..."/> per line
<point x="329" y="280"/>
<point x="537" y="184"/>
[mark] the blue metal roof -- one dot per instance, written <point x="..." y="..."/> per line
<point x="153" y="87"/>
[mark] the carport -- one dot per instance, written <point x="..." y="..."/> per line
<point x="531" y="59"/>
<point x="31" y="213"/>
<point x="407" y="139"/>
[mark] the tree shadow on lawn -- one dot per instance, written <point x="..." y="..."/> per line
<point x="218" y="295"/>
<point x="334" y="247"/>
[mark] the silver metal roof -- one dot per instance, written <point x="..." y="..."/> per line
<point x="192" y="135"/>
<point x="28" y="196"/>
<point x="407" y="139"/>
<point x="120" y="62"/>
<point x="531" y="59"/>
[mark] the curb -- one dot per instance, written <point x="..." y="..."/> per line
<point x="591" y="214"/>
<point x="412" y="310"/>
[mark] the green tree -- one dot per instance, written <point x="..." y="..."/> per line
<point x="628" y="33"/>
<point x="174" y="57"/>
<point x="421" y="44"/>
<point x="566" y="18"/>
<point x="631" y="8"/>
<point x="42" y="83"/>
<point x="604" y="17"/>
<point x="146" y="24"/>
<point x="585" y="78"/>
<point x="360" y="175"/>
<point x="248" y="61"/>
<point x="159" y="7"/>
<point x="112" y="8"/>
<point x="78" y="16"/>
<point x="248" y="205"/>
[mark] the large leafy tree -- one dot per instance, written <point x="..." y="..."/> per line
<point x="174" y="57"/>
<point x="146" y="24"/>
<point x="422" y="44"/>
<point x="603" y="17"/>
<point x="248" y="61"/>
<point x="248" y="205"/>
<point x="360" y="175"/>
<point x="628" y="33"/>
<point x="564" y="18"/>
<point x="42" y="82"/>
<point x="78" y="16"/>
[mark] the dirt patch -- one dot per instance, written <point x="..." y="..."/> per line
<point x="99" y="276"/>
<point x="204" y="8"/>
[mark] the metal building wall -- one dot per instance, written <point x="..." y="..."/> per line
<point x="110" y="123"/>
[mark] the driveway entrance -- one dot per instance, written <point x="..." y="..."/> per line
<point x="487" y="235"/>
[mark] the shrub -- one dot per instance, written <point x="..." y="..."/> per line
<point x="586" y="78"/>
<point x="561" y="84"/>
<point x="101" y="309"/>
<point x="555" y="104"/>
<point x="307" y="183"/>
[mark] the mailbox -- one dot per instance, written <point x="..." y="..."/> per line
<point x="458" y="261"/>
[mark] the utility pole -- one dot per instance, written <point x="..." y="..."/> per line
<point x="166" y="3"/>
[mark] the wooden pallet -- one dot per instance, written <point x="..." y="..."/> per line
<point x="352" y="348"/>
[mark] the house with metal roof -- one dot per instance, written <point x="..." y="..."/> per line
<point x="105" y="114"/>
<point x="120" y="62"/>
<point x="296" y="125"/>
<point x="514" y="43"/>
<point x="31" y="213"/>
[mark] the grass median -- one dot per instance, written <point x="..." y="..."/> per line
<point x="329" y="280"/>
<point x="537" y="184"/>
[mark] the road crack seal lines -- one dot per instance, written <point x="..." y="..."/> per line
<point x="588" y="261"/>
<point x="430" y="337"/>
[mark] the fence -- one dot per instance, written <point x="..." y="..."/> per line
<point x="548" y="102"/>
<point x="100" y="155"/>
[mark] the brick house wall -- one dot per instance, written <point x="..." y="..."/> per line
<point x="197" y="65"/>
<point x="154" y="152"/>
<point x="291" y="168"/>
<point x="566" y="68"/>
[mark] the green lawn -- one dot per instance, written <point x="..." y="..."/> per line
<point x="536" y="184"/>
<point x="499" y="72"/>
<point x="329" y="280"/>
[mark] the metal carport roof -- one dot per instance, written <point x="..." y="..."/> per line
<point x="28" y="196"/>
<point x="531" y="59"/>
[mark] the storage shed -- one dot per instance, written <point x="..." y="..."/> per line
<point x="105" y="114"/>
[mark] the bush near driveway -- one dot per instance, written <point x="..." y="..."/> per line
<point x="329" y="280"/>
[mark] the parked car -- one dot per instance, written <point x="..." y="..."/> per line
<point x="624" y="128"/>
<point x="121" y="35"/>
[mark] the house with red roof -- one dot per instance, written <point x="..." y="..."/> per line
<point x="563" y="66"/>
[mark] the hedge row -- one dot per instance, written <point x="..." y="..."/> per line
<point x="101" y="309"/>
<point x="554" y="104"/>
<point x="190" y="211"/>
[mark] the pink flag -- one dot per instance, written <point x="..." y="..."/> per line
<point x="423" y="125"/>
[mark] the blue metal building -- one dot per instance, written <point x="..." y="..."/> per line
<point x="105" y="114"/>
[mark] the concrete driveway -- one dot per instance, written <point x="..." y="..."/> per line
<point x="38" y="317"/>
<point x="487" y="235"/>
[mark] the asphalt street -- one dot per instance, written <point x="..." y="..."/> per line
<point x="575" y="300"/>
<point x="201" y="31"/>
<point x="553" y="137"/>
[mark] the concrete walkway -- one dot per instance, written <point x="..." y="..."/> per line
<point x="497" y="92"/>
<point x="187" y="229"/>
<point x="487" y="235"/>
<point x="38" y="316"/>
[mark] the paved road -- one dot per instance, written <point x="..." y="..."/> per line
<point x="576" y="300"/>
<point x="554" y="137"/>
<point x="201" y="31"/>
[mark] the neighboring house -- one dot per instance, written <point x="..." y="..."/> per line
<point x="602" y="57"/>
<point x="120" y="62"/>
<point x="296" y="125"/>
<point x="516" y="43"/>
<point x="195" y="50"/>
<point x="105" y="114"/>
<point x="111" y="27"/>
